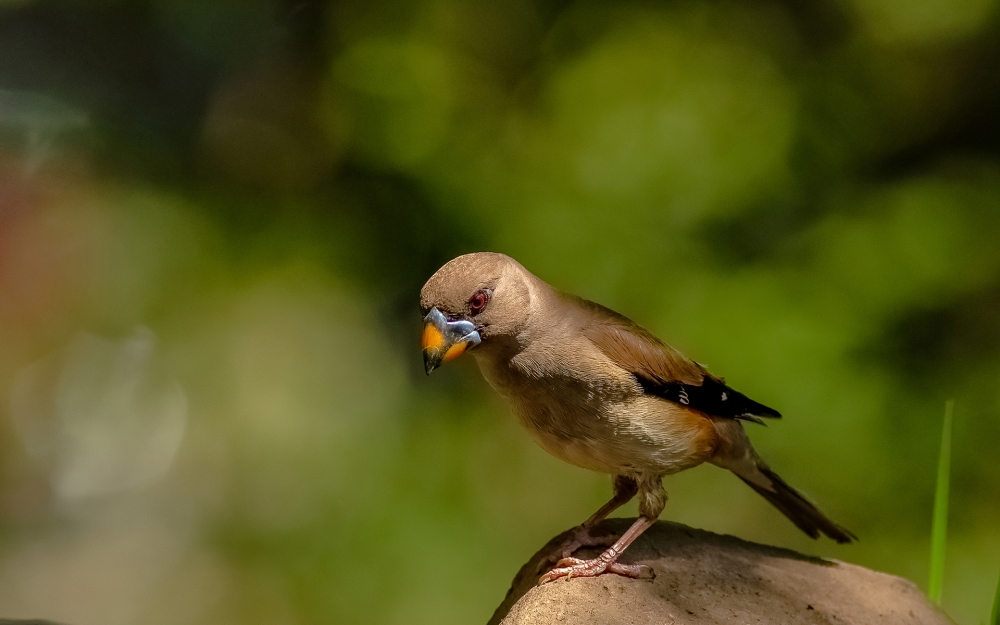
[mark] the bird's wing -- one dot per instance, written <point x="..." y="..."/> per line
<point x="663" y="371"/>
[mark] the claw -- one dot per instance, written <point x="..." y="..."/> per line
<point x="579" y="538"/>
<point x="607" y="561"/>
<point x="636" y="571"/>
<point x="582" y="570"/>
<point x="575" y="567"/>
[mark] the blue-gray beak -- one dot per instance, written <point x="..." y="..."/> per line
<point x="445" y="340"/>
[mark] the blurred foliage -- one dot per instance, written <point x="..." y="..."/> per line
<point x="215" y="217"/>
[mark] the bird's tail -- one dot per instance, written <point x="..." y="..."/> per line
<point x="796" y="507"/>
<point x="739" y="457"/>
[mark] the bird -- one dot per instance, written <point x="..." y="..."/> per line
<point x="601" y="392"/>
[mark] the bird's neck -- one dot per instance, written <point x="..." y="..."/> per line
<point x="498" y="351"/>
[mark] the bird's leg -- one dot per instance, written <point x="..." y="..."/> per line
<point x="607" y="561"/>
<point x="625" y="489"/>
<point x="652" y="499"/>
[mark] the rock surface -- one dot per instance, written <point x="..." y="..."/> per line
<point x="703" y="577"/>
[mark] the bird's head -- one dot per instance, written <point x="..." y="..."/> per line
<point x="475" y="299"/>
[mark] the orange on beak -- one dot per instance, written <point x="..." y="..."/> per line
<point x="444" y="340"/>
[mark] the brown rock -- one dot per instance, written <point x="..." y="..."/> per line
<point x="703" y="577"/>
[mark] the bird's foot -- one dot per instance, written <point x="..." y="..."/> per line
<point x="575" y="567"/>
<point x="580" y="537"/>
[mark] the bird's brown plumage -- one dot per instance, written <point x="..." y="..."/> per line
<point x="633" y="348"/>
<point x="599" y="391"/>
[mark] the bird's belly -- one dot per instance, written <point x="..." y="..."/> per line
<point x="579" y="450"/>
<point x="643" y="435"/>
<point x="610" y="426"/>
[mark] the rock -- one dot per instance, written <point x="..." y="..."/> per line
<point x="703" y="577"/>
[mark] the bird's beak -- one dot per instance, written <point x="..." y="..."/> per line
<point x="445" y="340"/>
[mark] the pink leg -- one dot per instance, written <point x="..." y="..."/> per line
<point x="625" y="489"/>
<point x="607" y="561"/>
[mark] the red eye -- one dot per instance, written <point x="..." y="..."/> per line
<point x="478" y="301"/>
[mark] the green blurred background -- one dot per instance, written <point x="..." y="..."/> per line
<point x="216" y="215"/>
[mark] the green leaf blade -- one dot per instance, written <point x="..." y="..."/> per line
<point x="995" y="617"/>
<point x="939" y="525"/>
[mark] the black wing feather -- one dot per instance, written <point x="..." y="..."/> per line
<point x="712" y="397"/>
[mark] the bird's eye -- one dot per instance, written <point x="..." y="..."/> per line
<point x="478" y="301"/>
